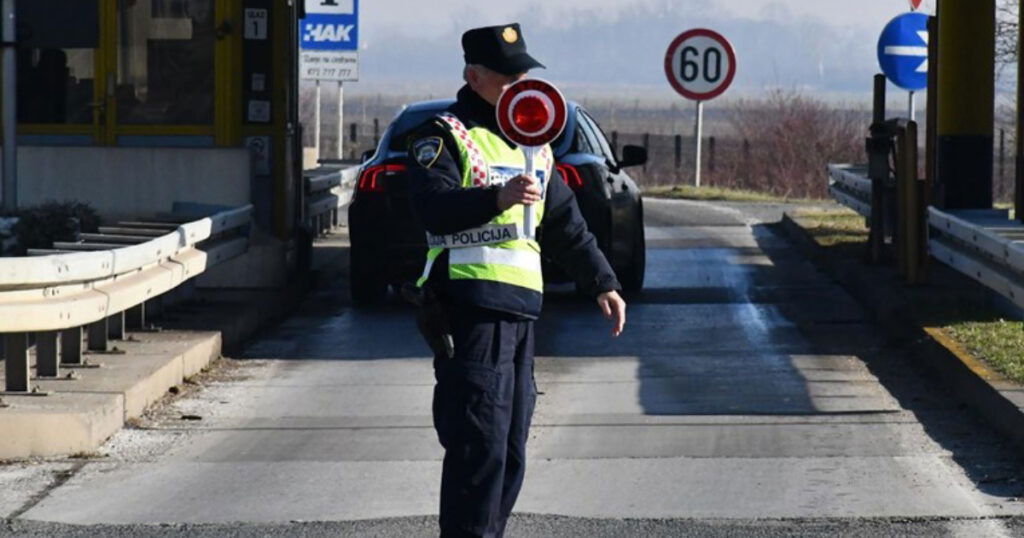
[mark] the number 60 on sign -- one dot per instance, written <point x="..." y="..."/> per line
<point x="700" y="64"/>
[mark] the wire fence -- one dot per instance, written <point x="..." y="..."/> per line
<point x="779" y="144"/>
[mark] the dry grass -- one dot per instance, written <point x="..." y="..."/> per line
<point x="717" y="194"/>
<point x="832" y="228"/>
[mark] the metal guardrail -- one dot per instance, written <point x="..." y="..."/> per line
<point x="984" y="245"/>
<point x="56" y="295"/>
<point x="849" y="185"/>
<point x="326" y="194"/>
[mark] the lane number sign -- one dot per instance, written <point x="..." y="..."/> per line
<point x="700" y="64"/>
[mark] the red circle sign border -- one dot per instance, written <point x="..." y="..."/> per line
<point x="700" y="32"/>
<point x="549" y="90"/>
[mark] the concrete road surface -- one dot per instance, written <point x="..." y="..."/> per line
<point x="747" y="397"/>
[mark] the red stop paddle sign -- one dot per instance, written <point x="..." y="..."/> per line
<point x="531" y="112"/>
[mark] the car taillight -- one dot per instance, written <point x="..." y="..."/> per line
<point x="372" y="178"/>
<point x="571" y="176"/>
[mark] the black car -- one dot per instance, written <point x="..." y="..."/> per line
<point x="389" y="245"/>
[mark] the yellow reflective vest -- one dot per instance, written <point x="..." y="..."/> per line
<point x="501" y="251"/>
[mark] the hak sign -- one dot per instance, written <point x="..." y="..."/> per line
<point x="330" y="25"/>
<point x="329" y="40"/>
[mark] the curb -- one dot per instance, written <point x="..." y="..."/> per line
<point x="80" y="418"/>
<point x="974" y="383"/>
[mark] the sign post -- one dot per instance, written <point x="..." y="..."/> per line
<point x="903" y="54"/>
<point x="531" y="113"/>
<point x="700" y="65"/>
<point x="329" y="50"/>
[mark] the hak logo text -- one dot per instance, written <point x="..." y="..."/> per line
<point x="328" y="33"/>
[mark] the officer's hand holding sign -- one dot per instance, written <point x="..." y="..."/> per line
<point x="519" y="190"/>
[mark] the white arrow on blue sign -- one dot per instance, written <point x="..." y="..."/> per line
<point x="903" y="51"/>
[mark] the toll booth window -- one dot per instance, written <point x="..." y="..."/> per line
<point x="57" y="43"/>
<point x="165" y="62"/>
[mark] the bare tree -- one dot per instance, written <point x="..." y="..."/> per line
<point x="1007" y="22"/>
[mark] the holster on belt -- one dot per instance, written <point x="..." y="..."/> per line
<point x="431" y="319"/>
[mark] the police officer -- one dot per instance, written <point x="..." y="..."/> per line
<point x="485" y="270"/>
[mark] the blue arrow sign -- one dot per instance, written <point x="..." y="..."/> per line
<point x="903" y="51"/>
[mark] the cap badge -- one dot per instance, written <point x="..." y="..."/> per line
<point x="510" y="35"/>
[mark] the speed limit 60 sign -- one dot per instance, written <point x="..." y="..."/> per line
<point x="700" y="64"/>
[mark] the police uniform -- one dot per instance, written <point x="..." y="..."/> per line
<point x="486" y="271"/>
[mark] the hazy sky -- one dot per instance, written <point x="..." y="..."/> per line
<point x="419" y="18"/>
<point x="820" y="45"/>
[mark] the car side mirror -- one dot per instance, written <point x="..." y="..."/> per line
<point x="366" y="155"/>
<point x="632" y="156"/>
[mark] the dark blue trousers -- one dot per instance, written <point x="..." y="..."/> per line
<point x="483" y="402"/>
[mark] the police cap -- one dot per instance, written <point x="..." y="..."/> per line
<point x="499" y="48"/>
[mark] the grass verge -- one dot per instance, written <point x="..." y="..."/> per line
<point x="1000" y="343"/>
<point x="717" y="194"/>
<point x="978" y="328"/>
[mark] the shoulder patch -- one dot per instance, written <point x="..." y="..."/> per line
<point x="426" y="150"/>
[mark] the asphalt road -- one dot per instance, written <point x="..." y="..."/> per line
<point x="748" y="397"/>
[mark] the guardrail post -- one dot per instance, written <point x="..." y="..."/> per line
<point x="47" y="353"/>
<point x="71" y="346"/>
<point x="115" y="326"/>
<point x="912" y="240"/>
<point x="97" y="335"/>
<point x="16" y="362"/>
<point x="878" y="171"/>
<point x="135" y="317"/>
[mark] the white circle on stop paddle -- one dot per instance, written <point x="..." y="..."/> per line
<point x="549" y="106"/>
<point x="701" y="65"/>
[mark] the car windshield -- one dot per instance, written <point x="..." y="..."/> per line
<point x="405" y="123"/>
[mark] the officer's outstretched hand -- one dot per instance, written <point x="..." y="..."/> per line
<point x="614" y="308"/>
<point x="519" y="190"/>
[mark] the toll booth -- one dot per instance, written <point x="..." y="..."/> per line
<point x="131" y="105"/>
